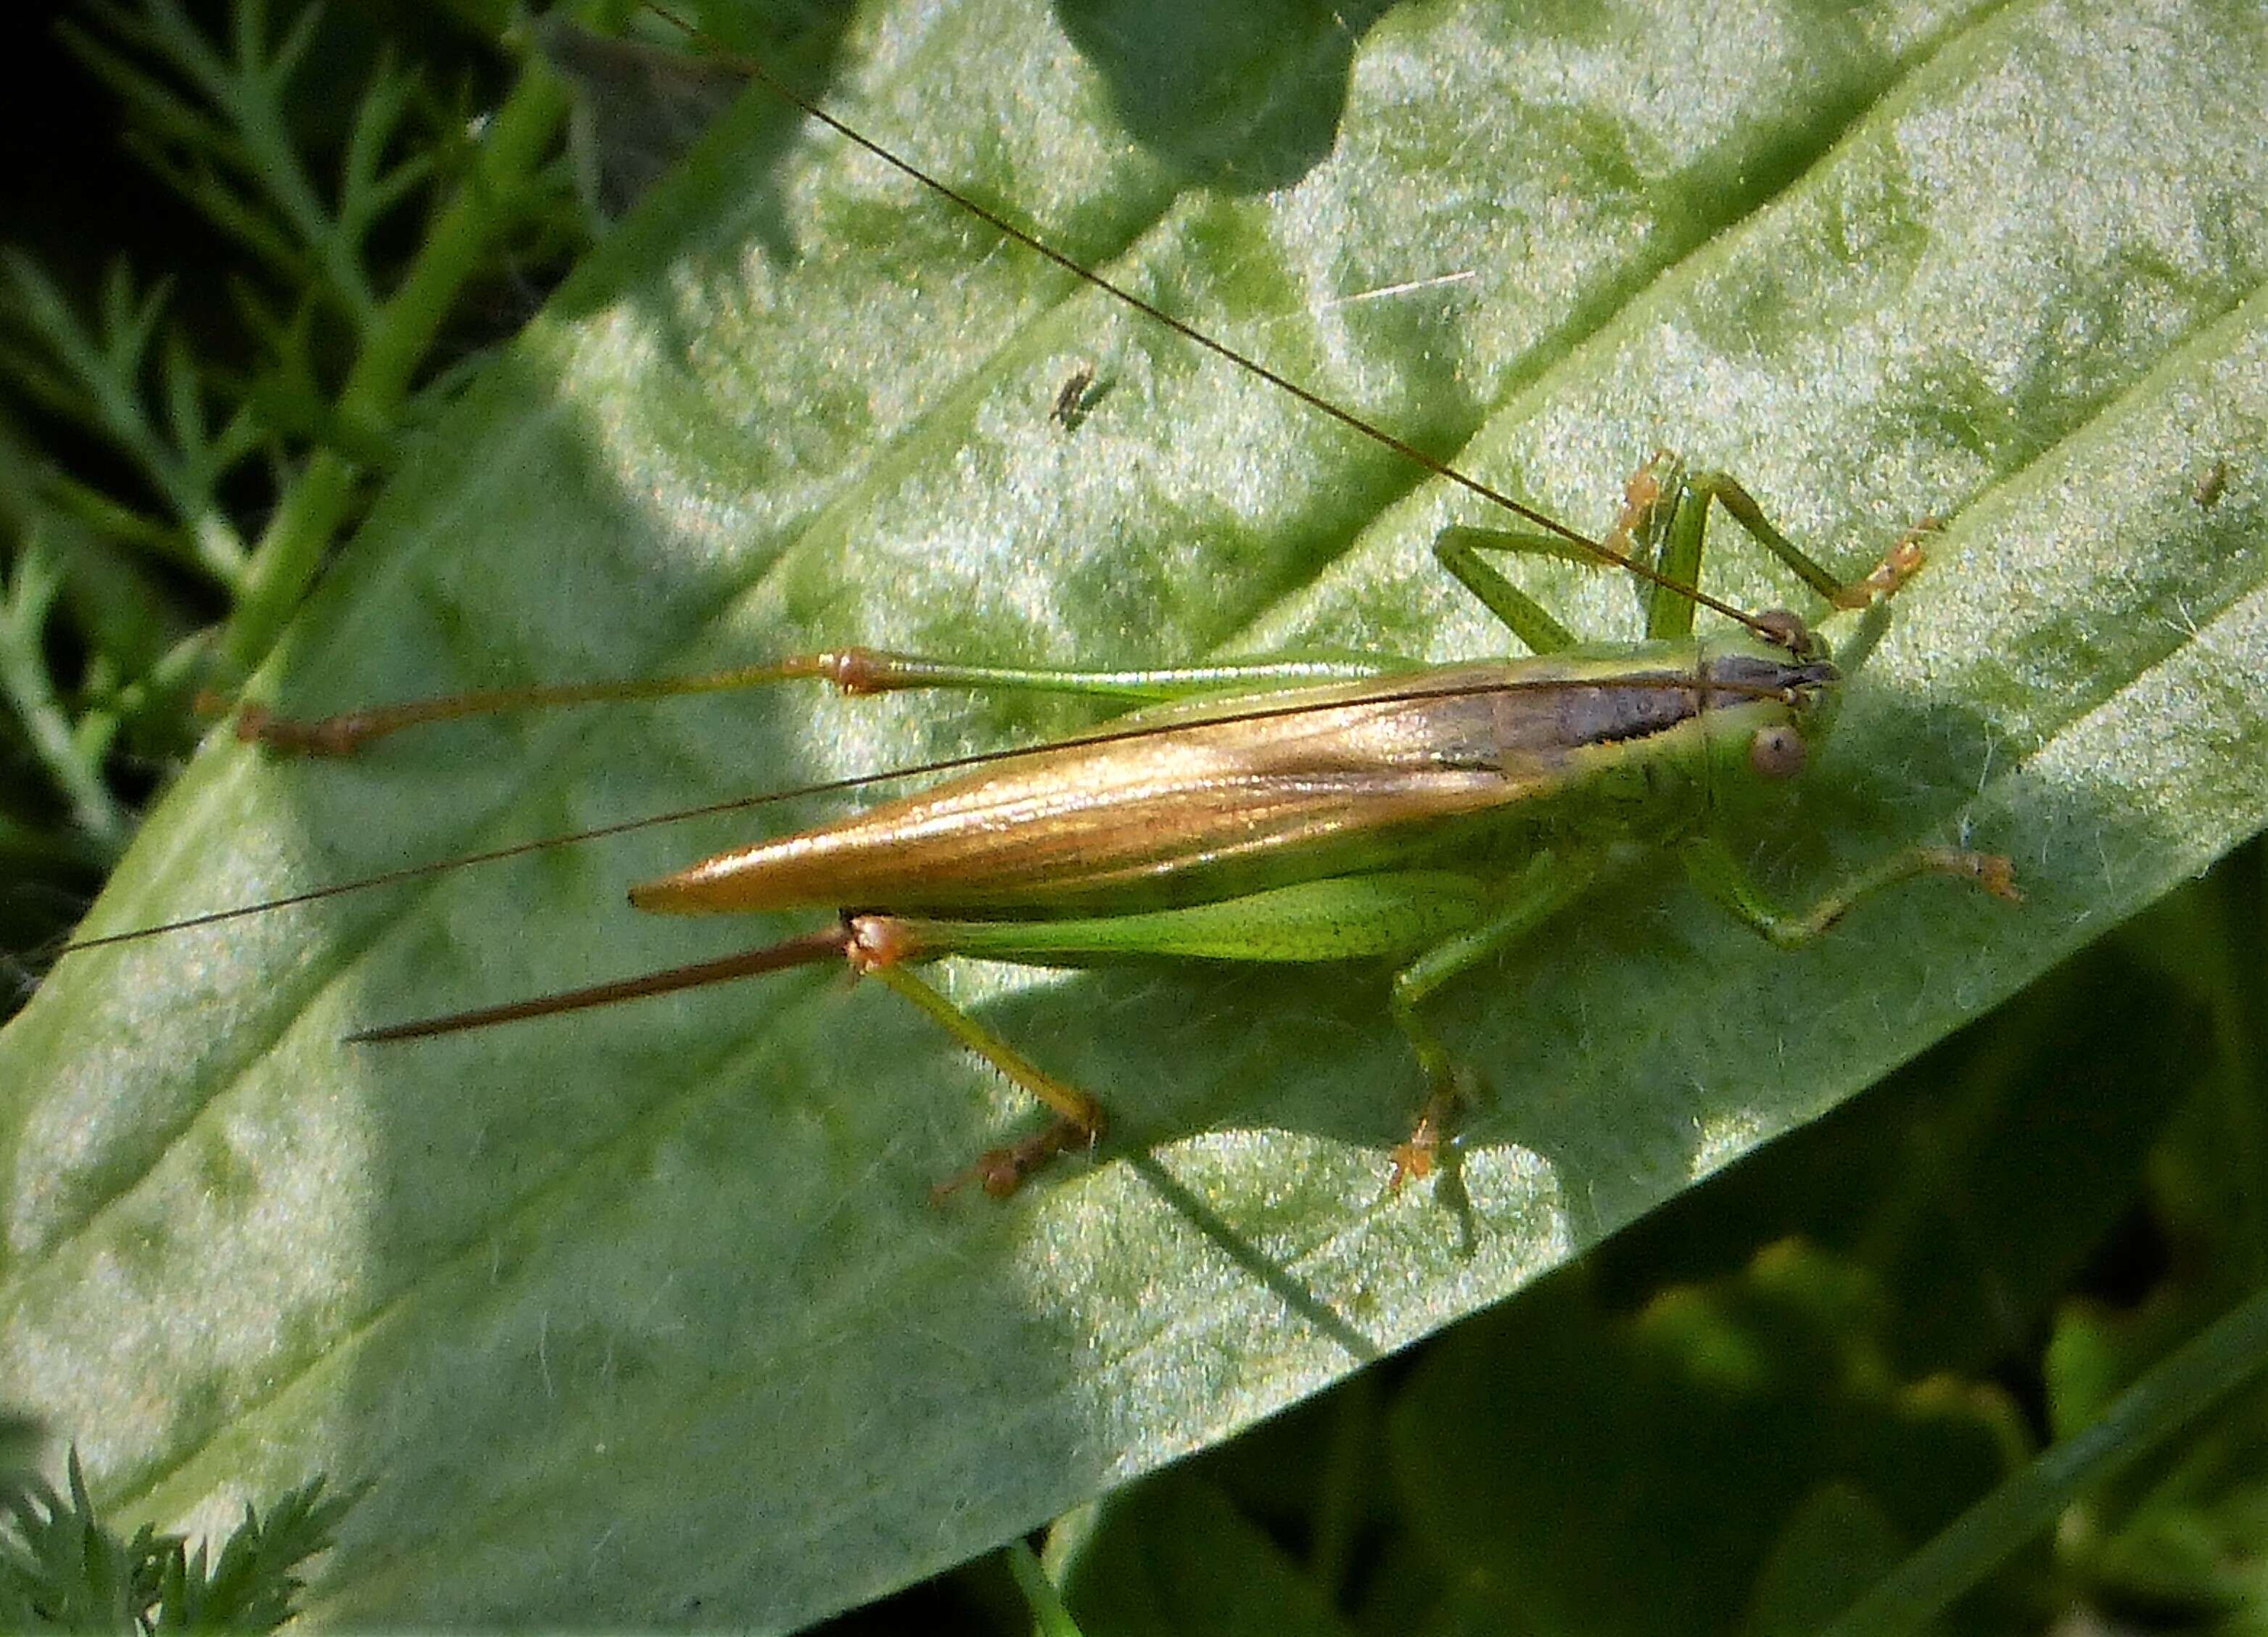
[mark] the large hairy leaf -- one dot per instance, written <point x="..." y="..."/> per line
<point x="645" y="1313"/>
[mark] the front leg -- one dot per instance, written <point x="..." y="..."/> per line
<point x="1712" y="867"/>
<point x="1659" y="532"/>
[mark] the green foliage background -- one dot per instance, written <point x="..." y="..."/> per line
<point x="645" y="1315"/>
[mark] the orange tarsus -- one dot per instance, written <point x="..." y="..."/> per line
<point x="1416" y="1157"/>
<point x="1991" y="870"/>
<point x="1904" y="562"/>
<point x="1000" y="1171"/>
<point x="1641" y="495"/>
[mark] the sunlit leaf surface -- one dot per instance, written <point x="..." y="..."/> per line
<point x="646" y="1313"/>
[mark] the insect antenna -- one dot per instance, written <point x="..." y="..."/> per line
<point x="1596" y="550"/>
<point x="859" y="781"/>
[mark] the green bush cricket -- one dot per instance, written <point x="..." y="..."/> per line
<point x="1419" y="816"/>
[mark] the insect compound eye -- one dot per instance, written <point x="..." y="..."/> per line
<point x="1777" y="752"/>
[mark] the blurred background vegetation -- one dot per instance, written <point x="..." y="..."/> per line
<point x="251" y="250"/>
<point x="249" y="253"/>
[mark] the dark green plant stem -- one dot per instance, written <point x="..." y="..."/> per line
<point x="1050" y="1617"/>
<point x="2154" y="1410"/>
<point x="288" y="552"/>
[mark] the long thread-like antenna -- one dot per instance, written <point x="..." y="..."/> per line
<point x="1707" y="687"/>
<point x="354" y="727"/>
<point x="1377" y="434"/>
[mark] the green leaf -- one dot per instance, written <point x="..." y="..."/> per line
<point x="646" y="1313"/>
<point x="1724" y="1453"/>
<point x="1185" y="1559"/>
